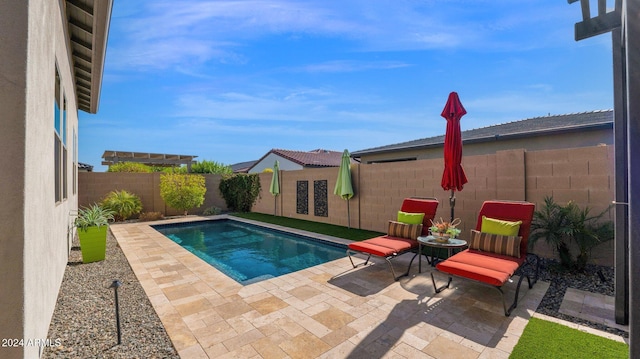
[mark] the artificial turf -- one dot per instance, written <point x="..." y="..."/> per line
<point x="543" y="339"/>
<point x="316" y="227"/>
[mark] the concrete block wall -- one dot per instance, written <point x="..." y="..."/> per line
<point x="582" y="175"/>
<point x="94" y="186"/>
<point x="287" y="200"/>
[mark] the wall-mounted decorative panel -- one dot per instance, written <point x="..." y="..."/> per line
<point x="320" y="202"/>
<point x="302" y="195"/>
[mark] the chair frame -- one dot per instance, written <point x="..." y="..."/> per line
<point x="527" y="262"/>
<point x="388" y="258"/>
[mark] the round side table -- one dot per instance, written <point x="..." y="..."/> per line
<point x="430" y="241"/>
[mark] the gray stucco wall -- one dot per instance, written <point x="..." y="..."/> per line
<point x="34" y="244"/>
<point x="13" y="49"/>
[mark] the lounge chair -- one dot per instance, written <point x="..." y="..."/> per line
<point x="493" y="258"/>
<point x="401" y="237"/>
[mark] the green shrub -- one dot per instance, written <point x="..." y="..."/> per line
<point x="123" y="204"/>
<point x="180" y="169"/>
<point x="182" y="191"/>
<point x="240" y="191"/>
<point x="134" y="167"/>
<point x="212" y="211"/>
<point x="205" y="166"/>
<point x="150" y="216"/>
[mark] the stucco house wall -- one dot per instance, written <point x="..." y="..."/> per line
<point x="34" y="226"/>
<point x="270" y="159"/>
<point x="550" y="141"/>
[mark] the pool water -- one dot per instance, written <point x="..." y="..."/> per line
<point x="249" y="253"/>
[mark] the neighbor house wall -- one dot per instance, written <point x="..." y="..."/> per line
<point x="35" y="242"/>
<point x="551" y="141"/>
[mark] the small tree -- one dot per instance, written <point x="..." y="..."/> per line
<point x="240" y="191"/>
<point x="182" y="191"/>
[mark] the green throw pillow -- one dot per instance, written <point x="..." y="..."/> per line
<point x="498" y="226"/>
<point x="410" y="218"/>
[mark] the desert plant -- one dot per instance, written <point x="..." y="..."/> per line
<point x="550" y="223"/>
<point x="123" y="204"/>
<point x="205" y="166"/>
<point x="150" y="216"/>
<point x="211" y="211"/>
<point x="587" y="231"/>
<point x="560" y="225"/>
<point x="240" y="191"/>
<point x="134" y="167"/>
<point x="93" y="216"/>
<point x="182" y="191"/>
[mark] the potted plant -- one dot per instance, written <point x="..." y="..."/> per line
<point x="92" y="223"/>
<point x="443" y="230"/>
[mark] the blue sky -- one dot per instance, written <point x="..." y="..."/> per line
<point x="230" y="80"/>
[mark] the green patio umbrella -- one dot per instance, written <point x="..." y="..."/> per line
<point x="275" y="186"/>
<point x="344" y="188"/>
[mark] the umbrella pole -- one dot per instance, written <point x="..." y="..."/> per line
<point x="452" y="203"/>
<point x="348" y="215"/>
<point x="275" y="205"/>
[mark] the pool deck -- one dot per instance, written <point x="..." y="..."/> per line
<point x="327" y="311"/>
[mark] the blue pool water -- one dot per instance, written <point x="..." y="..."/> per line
<point x="249" y="253"/>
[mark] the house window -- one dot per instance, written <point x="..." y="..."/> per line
<point x="74" y="169"/>
<point x="60" y="141"/>
<point x="64" y="147"/>
<point x="57" y="142"/>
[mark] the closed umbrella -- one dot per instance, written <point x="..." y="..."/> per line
<point x="344" y="188"/>
<point x="453" y="177"/>
<point x="275" y="185"/>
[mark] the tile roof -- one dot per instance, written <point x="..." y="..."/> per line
<point x="536" y="126"/>
<point x="85" y="166"/>
<point x="314" y="158"/>
<point x="242" y="166"/>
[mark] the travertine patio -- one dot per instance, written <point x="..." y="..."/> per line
<point x="327" y="311"/>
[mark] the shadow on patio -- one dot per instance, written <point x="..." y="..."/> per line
<point x="464" y="321"/>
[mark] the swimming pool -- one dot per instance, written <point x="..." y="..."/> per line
<point x="249" y="253"/>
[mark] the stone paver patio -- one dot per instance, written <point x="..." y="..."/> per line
<point x="327" y="311"/>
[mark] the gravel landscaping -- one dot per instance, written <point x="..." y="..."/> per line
<point x="84" y="318"/>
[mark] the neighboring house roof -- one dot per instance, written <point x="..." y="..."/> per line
<point x="85" y="167"/>
<point x="88" y="31"/>
<point x="314" y="158"/>
<point x="536" y="126"/>
<point x="242" y="167"/>
<point x="152" y="159"/>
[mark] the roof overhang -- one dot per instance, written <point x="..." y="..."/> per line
<point x="88" y="22"/>
<point x="152" y="159"/>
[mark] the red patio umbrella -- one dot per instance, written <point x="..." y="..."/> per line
<point x="453" y="177"/>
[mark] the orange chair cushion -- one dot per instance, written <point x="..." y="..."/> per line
<point x="384" y="246"/>
<point x="490" y="268"/>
